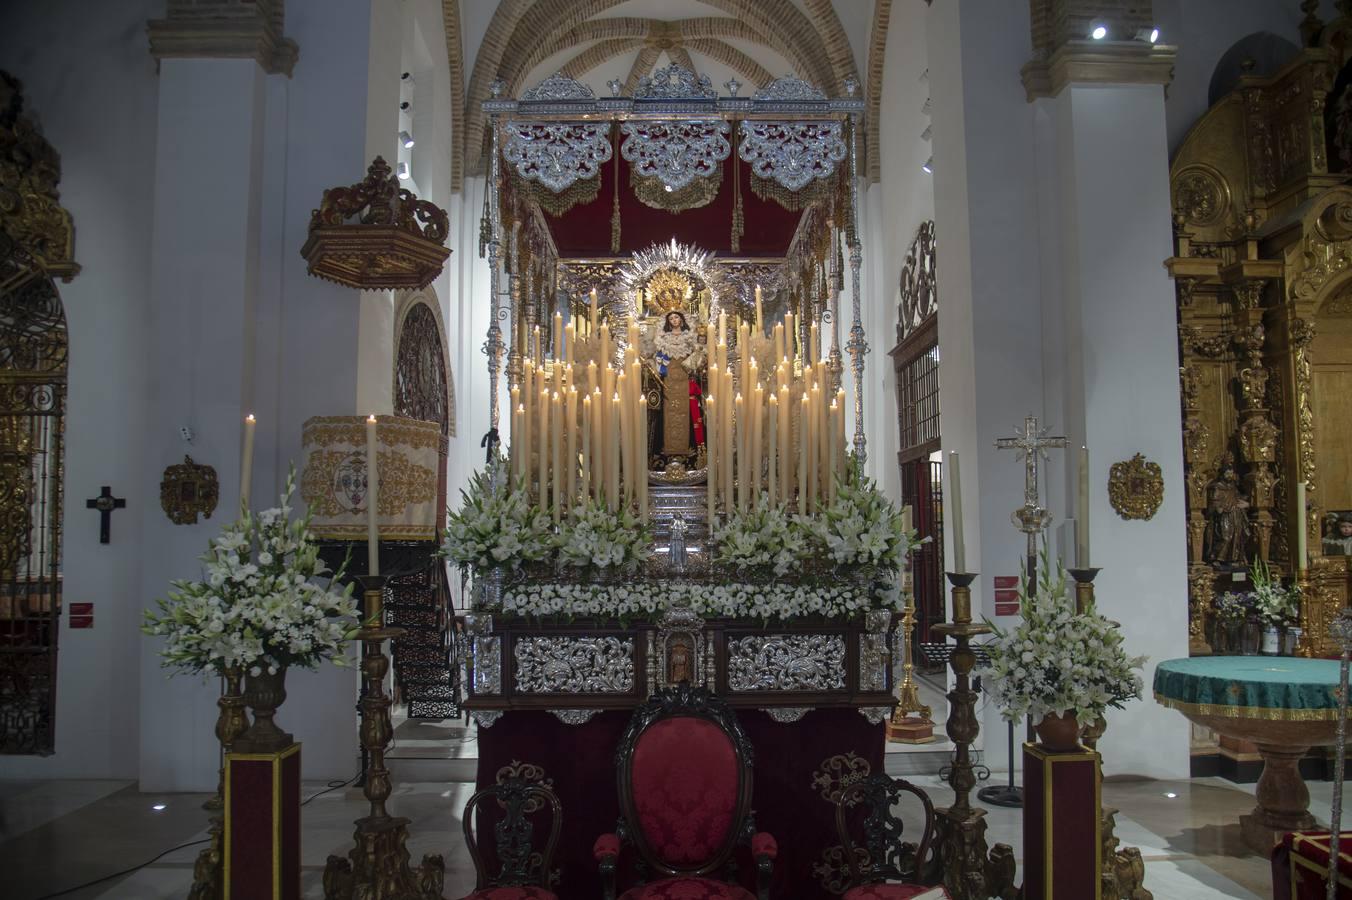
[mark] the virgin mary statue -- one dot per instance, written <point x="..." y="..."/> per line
<point x="676" y="357"/>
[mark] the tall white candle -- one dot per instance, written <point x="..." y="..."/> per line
<point x="955" y="506"/>
<point x="760" y="325"/>
<point x="711" y="453"/>
<point x="246" y="462"/>
<point x="592" y="312"/>
<point x="372" y="501"/>
<point x="586" y="448"/>
<point x="772" y="456"/>
<point x="1082" y="513"/>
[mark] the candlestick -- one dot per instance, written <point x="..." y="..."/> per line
<point x="1302" y="530"/>
<point x="723" y="328"/>
<point x="613" y="454"/>
<point x="725" y="453"/>
<point x="246" y="463"/>
<point x="739" y="415"/>
<point x="955" y="503"/>
<point x="542" y="446"/>
<point x="757" y="410"/>
<point x="557" y="335"/>
<point x="812" y="434"/>
<point x="785" y="446"/>
<point x="832" y="454"/>
<point x="535" y="349"/>
<point x="760" y="326"/>
<point x="372" y="498"/>
<point x="1082" y="513"/>
<point x="626" y="437"/>
<point x="593" y="313"/>
<point x="570" y="448"/>
<point x="556" y="454"/>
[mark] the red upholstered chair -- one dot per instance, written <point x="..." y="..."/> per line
<point x="890" y="869"/>
<point x="684" y="772"/>
<point x="523" y="870"/>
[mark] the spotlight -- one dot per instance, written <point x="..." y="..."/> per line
<point x="1149" y="35"/>
<point x="405" y="139"/>
<point x="927" y="133"/>
<point x="1170" y="794"/>
<point x="1099" y="33"/>
<point x="158" y="807"/>
<point x="403" y="171"/>
<point x="667" y="188"/>
<point x="405" y="105"/>
<point x="928" y="167"/>
<point x="407" y="76"/>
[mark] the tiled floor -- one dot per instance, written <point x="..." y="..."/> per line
<point x="56" y="835"/>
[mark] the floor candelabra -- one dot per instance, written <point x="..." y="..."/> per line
<point x="230" y="724"/>
<point x="968" y="868"/>
<point x="377" y="868"/>
<point x="903" y="727"/>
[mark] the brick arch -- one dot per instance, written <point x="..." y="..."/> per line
<point x="598" y="53"/>
<point x="873" y="89"/>
<point x="455" y="56"/>
<point x="730" y="56"/>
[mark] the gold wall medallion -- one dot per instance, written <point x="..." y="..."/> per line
<point x="187" y="490"/>
<point x="1136" y="488"/>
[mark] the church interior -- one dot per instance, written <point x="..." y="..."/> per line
<point x="675" y="449"/>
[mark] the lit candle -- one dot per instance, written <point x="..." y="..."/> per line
<point x="757" y="406"/>
<point x="535" y="350"/>
<point x="1302" y="536"/>
<point x="785" y="446"/>
<point x="515" y="446"/>
<point x="542" y="447"/>
<point x="955" y="504"/>
<point x="527" y="424"/>
<point x="570" y="448"/>
<point x="613" y="454"/>
<point x="626" y="435"/>
<point x="711" y="449"/>
<point x="598" y="443"/>
<point x="804" y="442"/>
<point x="739" y="415"/>
<point x="840" y="432"/>
<point x="725" y="454"/>
<point x="372" y="495"/>
<point x="779" y="340"/>
<point x="556" y="449"/>
<point x="723" y="328"/>
<point x="832" y="454"/>
<point x="605" y="344"/>
<point x="812" y="434"/>
<point x="593" y="311"/>
<point x="246" y="462"/>
<point x="586" y="447"/>
<point x="814" y="351"/>
<point x="557" y="334"/>
<point x="790" y="344"/>
<point x="772" y="456"/>
<point x="760" y="326"/>
<point x="1082" y="513"/>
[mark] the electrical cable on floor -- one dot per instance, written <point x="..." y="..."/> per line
<point x="332" y="786"/>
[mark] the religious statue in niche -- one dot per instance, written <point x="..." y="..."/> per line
<point x="680" y="659"/>
<point x="1226" y="539"/>
<point x="674" y="362"/>
<point x="1338" y="533"/>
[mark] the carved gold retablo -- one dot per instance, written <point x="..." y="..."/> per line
<point x="397" y="241"/>
<point x="188" y="490"/>
<point x="1136" y="488"/>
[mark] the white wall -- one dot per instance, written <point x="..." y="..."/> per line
<point x="91" y="84"/>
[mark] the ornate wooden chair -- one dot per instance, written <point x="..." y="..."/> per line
<point x="883" y="858"/>
<point x="523" y="871"/>
<point x="684" y="773"/>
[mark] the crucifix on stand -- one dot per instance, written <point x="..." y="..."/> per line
<point x="1031" y="518"/>
<point x="105" y="503"/>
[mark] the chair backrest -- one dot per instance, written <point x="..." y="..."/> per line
<point x="888" y="857"/>
<point x="514" y="801"/>
<point x="684" y="773"/>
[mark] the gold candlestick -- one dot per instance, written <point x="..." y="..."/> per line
<point x="902" y="728"/>
<point x="377" y="867"/>
<point x="1084" y="588"/>
<point x="230" y="724"/>
<point x="961" y="829"/>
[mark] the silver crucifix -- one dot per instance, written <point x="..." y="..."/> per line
<point x="1031" y="518"/>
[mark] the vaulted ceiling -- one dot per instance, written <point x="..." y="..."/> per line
<point x="524" y="41"/>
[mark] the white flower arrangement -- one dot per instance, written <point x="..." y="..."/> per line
<point x="1058" y="661"/>
<point x="861" y="527"/>
<point x="593" y="537"/>
<point x="1275" y="603"/>
<point x="760" y="601"/>
<point x="496" y="526"/>
<point x="763" y="537"/>
<point x="257" y="605"/>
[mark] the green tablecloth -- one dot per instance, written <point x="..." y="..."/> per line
<point x="1282" y="688"/>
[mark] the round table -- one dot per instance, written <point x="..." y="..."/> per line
<point x="1284" y="704"/>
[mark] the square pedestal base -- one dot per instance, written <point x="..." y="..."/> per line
<point x="262" y="825"/>
<point x="910" y="730"/>
<point x="1062" y="825"/>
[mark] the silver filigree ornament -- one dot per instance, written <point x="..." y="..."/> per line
<point x="876" y="715"/>
<point x="792" y="153"/>
<point x="787" y="662"/>
<point x="486" y="717"/>
<point x="557" y="154"/>
<point x="787" y="715"/>
<point x="674" y="82"/>
<point x="676" y="151"/>
<point x="556" y="665"/>
<point x="789" y="88"/>
<point x="574" y="716"/>
<point x="558" y="87"/>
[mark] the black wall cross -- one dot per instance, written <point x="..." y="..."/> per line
<point x="105" y="503"/>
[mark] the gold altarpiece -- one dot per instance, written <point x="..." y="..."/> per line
<point x="1263" y="274"/>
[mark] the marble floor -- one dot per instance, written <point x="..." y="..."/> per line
<point x="55" y="836"/>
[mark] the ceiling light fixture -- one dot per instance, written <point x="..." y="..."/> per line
<point x="158" y="807"/>
<point x="405" y="140"/>
<point x="1099" y="33"/>
<point x="928" y="167"/>
<point x="403" y="171"/>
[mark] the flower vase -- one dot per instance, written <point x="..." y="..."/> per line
<point x="1059" y="732"/>
<point x="263" y="693"/>
<point x="1272" y="641"/>
<point x="1252" y="638"/>
<point x="1232" y="638"/>
<point x="488" y="586"/>
<point x="1291" y="640"/>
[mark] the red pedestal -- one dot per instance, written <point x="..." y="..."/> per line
<point x="1061" y="825"/>
<point x="1300" y="866"/>
<point x="262" y="825"/>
